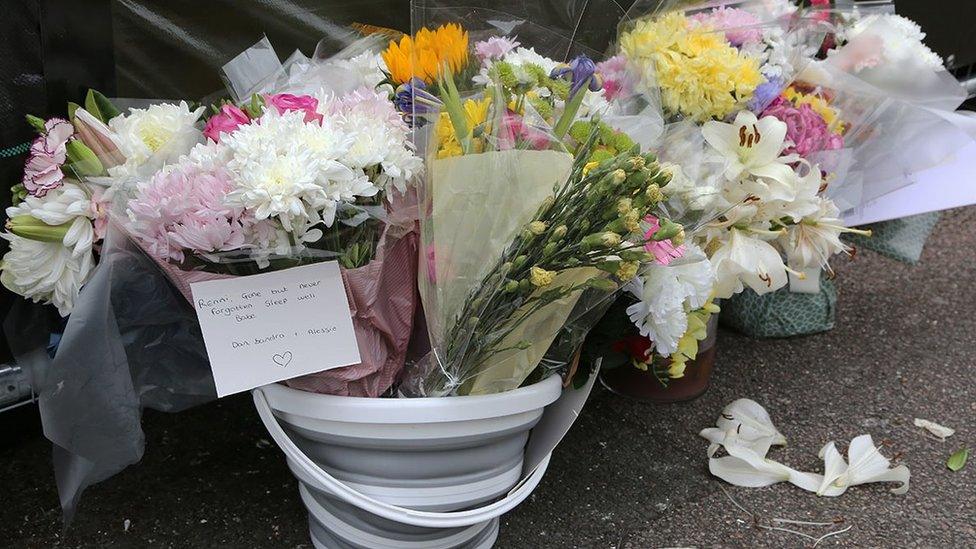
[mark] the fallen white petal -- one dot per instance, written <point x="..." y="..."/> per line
<point x="750" y="421"/>
<point x="864" y="465"/>
<point x="940" y="431"/>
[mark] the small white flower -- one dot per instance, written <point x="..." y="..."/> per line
<point x="866" y="465"/>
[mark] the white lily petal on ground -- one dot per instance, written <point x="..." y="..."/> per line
<point x="940" y="431"/>
<point x="865" y="465"/>
<point x="751" y="420"/>
<point x="744" y="467"/>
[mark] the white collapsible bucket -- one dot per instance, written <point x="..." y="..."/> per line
<point x="424" y="473"/>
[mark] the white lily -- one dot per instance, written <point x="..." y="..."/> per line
<point x="744" y="259"/>
<point x="752" y="147"/>
<point x="866" y="465"/>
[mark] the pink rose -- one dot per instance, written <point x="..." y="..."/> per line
<point x="804" y="127"/>
<point x="665" y="251"/>
<point x="225" y="121"/>
<point x="285" y="102"/>
<point x="42" y="172"/>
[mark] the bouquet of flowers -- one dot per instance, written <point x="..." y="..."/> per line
<point x="60" y="211"/>
<point x="769" y="133"/>
<point x="532" y="207"/>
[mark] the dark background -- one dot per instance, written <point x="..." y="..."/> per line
<point x="52" y="51"/>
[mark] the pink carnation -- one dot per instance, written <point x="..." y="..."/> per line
<point x="226" y="121"/>
<point x="665" y="251"/>
<point x="184" y="210"/>
<point x="494" y="48"/>
<point x="805" y="128"/>
<point x="285" y="102"/>
<point x="740" y="27"/>
<point x="48" y="153"/>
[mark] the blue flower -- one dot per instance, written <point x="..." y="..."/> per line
<point x="412" y="99"/>
<point x="582" y="73"/>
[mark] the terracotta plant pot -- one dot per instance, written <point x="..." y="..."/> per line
<point x="643" y="385"/>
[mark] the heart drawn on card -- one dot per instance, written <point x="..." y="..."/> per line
<point x="282" y="359"/>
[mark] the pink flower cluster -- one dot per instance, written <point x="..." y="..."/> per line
<point x="516" y="133"/>
<point x="184" y="210"/>
<point x="286" y="102"/>
<point x="230" y="117"/>
<point x="805" y="128"/>
<point x="740" y="27"/>
<point x="494" y="48"/>
<point x="48" y="153"/>
<point x="665" y="251"/>
<point x="617" y="81"/>
<point x="226" y="121"/>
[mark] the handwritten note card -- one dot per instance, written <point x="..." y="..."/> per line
<point x="269" y="327"/>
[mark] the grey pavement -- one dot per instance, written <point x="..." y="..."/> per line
<point x="629" y="474"/>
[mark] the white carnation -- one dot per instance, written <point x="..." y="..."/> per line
<point x="667" y="293"/>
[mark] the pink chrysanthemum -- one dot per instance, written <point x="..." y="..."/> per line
<point x="184" y="210"/>
<point x="740" y="27"/>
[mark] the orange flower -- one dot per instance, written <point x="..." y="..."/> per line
<point x="423" y="55"/>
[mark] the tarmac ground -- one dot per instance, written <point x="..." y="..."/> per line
<point x="629" y="474"/>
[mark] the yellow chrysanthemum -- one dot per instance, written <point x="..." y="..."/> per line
<point x="700" y="74"/>
<point x="426" y="53"/>
<point x="819" y="105"/>
<point x="475" y="112"/>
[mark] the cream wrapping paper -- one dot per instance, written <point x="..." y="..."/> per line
<point x="477" y="204"/>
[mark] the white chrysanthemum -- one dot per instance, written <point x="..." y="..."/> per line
<point x="52" y="272"/>
<point x="290" y="170"/>
<point x="153" y="137"/>
<point x="667" y="294"/>
<point x="379" y="138"/>
<point x="904" y="40"/>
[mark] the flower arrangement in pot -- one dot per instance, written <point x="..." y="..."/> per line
<point x="510" y="280"/>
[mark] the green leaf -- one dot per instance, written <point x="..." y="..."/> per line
<point x="72" y="109"/>
<point x="958" y="460"/>
<point x="81" y="160"/>
<point x="100" y="107"/>
<point x="36" y="123"/>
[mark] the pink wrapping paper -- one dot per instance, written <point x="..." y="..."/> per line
<point x="383" y="300"/>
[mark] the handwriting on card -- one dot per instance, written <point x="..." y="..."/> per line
<point x="269" y="327"/>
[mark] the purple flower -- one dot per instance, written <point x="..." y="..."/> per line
<point x="48" y="153"/>
<point x="765" y="94"/>
<point x="582" y="73"/>
<point x="412" y="99"/>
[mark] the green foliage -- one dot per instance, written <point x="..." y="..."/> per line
<point x="100" y="107"/>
